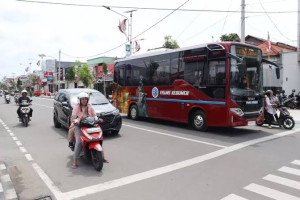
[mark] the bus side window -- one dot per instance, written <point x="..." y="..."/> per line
<point x="119" y="75"/>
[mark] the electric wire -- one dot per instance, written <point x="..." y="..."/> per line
<point x="273" y="22"/>
<point x="144" y="8"/>
<point x="137" y="34"/>
<point x="226" y="17"/>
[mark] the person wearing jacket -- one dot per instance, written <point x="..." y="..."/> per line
<point x="81" y="110"/>
<point x="23" y="99"/>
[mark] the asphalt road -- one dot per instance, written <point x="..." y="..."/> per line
<point x="151" y="159"/>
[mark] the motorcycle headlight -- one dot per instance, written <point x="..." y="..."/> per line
<point x="116" y="112"/>
<point x="237" y="111"/>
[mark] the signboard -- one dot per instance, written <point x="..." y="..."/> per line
<point x="23" y="78"/>
<point x="127" y="49"/>
<point x="50" y="65"/>
<point x="110" y="70"/>
<point x="46" y="74"/>
<point x="49" y="78"/>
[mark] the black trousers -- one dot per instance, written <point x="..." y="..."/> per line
<point x="270" y="118"/>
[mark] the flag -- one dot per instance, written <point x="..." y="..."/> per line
<point x="38" y="63"/>
<point x="137" y="46"/>
<point x="122" y="26"/>
<point x="26" y="69"/>
<point x="269" y="43"/>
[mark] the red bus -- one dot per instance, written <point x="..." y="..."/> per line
<point x="217" y="84"/>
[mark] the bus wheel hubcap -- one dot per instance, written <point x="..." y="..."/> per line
<point x="133" y="113"/>
<point x="198" y="120"/>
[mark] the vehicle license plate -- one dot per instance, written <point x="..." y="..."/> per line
<point x="251" y="123"/>
<point x="93" y="130"/>
<point x="251" y="102"/>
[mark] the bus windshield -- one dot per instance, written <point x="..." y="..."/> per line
<point x="246" y="74"/>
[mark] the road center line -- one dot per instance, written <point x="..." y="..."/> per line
<point x="166" y="134"/>
<point x="169" y="168"/>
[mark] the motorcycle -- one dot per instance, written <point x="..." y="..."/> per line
<point x="7" y="98"/>
<point x="16" y="98"/>
<point x="24" y="113"/>
<point x="284" y="119"/>
<point x="91" y="141"/>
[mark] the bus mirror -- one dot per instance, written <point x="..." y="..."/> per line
<point x="277" y="71"/>
<point x="241" y="69"/>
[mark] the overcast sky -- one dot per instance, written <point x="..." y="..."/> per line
<point x="29" y="29"/>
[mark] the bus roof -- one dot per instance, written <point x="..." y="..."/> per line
<point x="166" y="51"/>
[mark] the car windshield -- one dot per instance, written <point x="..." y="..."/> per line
<point x="96" y="98"/>
<point x="245" y="76"/>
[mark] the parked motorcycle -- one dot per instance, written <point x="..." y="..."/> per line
<point x="7" y="98"/>
<point x="24" y="113"/>
<point x="91" y="141"/>
<point x="284" y="119"/>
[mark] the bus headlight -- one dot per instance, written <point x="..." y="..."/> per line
<point x="237" y="111"/>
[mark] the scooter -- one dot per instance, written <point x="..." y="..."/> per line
<point x="284" y="119"/>
<point x="91" y="141"/>
<point x="24" y="113"/>
<point x="7" y="98"/>
<point x="17" y="99"/>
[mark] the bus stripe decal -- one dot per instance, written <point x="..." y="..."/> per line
<point x="184" y="101"/>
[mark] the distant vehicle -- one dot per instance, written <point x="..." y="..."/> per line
<point x="38" y="93"/>
<point x="216" y="84"/>
<point x="66" y="99"/>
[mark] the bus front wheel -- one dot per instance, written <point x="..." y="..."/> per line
<point x="198" y="120"/>
<point x="133" y="112"/>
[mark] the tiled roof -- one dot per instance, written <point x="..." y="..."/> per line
<point x="275" y="48"/>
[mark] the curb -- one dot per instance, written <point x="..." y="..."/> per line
<point x="7" y="190"/>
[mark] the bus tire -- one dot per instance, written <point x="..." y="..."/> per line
<point x="198" y="120"/>
<point x="134" y="112"/>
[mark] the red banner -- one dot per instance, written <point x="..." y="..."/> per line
<point x="110" y="70"/>
<point x="46" y="74"/>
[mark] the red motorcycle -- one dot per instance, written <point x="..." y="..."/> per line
<point x="91" y="141"/>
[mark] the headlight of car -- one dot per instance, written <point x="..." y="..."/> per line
<point x="237" y="111"/>
<point x="116" y="112"/>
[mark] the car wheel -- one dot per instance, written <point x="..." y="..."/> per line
<point x="198" y="120"/>
<point x="55" y="121"/>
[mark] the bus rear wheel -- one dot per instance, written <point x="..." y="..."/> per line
<point x="133" y="112"/>
<point x="198" y="120"/>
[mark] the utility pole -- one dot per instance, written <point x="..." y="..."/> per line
<point x="298" y="32"/>
<point x="30" y="68"/>
<point x="243" y="21"/>
<point x="58" y="88"/>
<point x="130" y="31"/>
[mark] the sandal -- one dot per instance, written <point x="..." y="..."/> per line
<point x="105" y="160"/>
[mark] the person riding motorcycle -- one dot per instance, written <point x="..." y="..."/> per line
<point x="21" y="100"/>
<point x="81" y="110"/>
<point x="270" y="101"/>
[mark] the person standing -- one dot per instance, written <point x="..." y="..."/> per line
<point x="270" y="107"/>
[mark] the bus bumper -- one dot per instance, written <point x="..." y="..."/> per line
<point x="236" y="120"/>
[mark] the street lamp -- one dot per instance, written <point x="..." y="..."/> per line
<point x="129" y="25"/>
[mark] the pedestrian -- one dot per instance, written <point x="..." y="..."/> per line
<point x="270" y="107"/>
<point x="81" y="110"/>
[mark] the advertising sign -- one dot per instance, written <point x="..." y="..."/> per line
<point x="110" y="71"/>
<point x="50" y="65"/>
<point x="23" y="78"/>
<point x="49" y="78"/>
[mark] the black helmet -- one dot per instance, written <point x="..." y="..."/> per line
<point x="293" y="90"/>
<point x="269" y="92"/>
<point x="283" y="91"/>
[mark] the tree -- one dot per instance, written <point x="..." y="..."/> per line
<point x="70" y="75"/>
<point x="234" y="37"/>
<point x="33" y="78"/>
<point x="85" y="75"/>
<point x="170" y="43"/>
<point x="19" y="83"/>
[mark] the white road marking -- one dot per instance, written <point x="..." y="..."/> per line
<point x="14" y="138"/>
<point x="166" y="134"/>
<point x="42" y="105"/>
<point x="53" y="188"/>
<point x="296" y="162"/>
<point x="1" y="188"/>
<point x="268" y="192"/>
<point x="6" y="128"/>
<point x="10" y="194"/>
<point x="5" y="178"/>
<point x="169" y="168"/>
<point x="283" y="181"/>
<point x="23" y="150"/>
<point x="9" y="131"/>
<point x="290" y="170"/>
<point x="2" y="167"/>
<point x="28" y="157"/>
<point x="233" y="197"/>
<point x="11" y="134"/>
<point x="18" y="143"/>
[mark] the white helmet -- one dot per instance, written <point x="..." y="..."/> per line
<point x="24" y="91"/>
<point x="83" y="95"/>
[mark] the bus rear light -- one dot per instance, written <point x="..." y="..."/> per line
<point x="237" y="111"/>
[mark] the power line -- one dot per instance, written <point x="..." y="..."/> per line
<point x="273" y="22"/>
<point x="136" y="35"/>
<point x="159" y="9"/>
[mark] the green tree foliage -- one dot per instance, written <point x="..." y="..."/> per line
<point x="33" y="78"/>
<point x="234" y="37"/>
<point x="19" y="84"/>
<point x="3" y="86"/>
<point x="85" y="75"/>
<point x="70" y="75"/>
<point x="170" y="43"/>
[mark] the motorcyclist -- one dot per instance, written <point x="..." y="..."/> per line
<point x="270" y="107"/>
<point x="24" y="99"/>
<point x="81" y="110"/>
